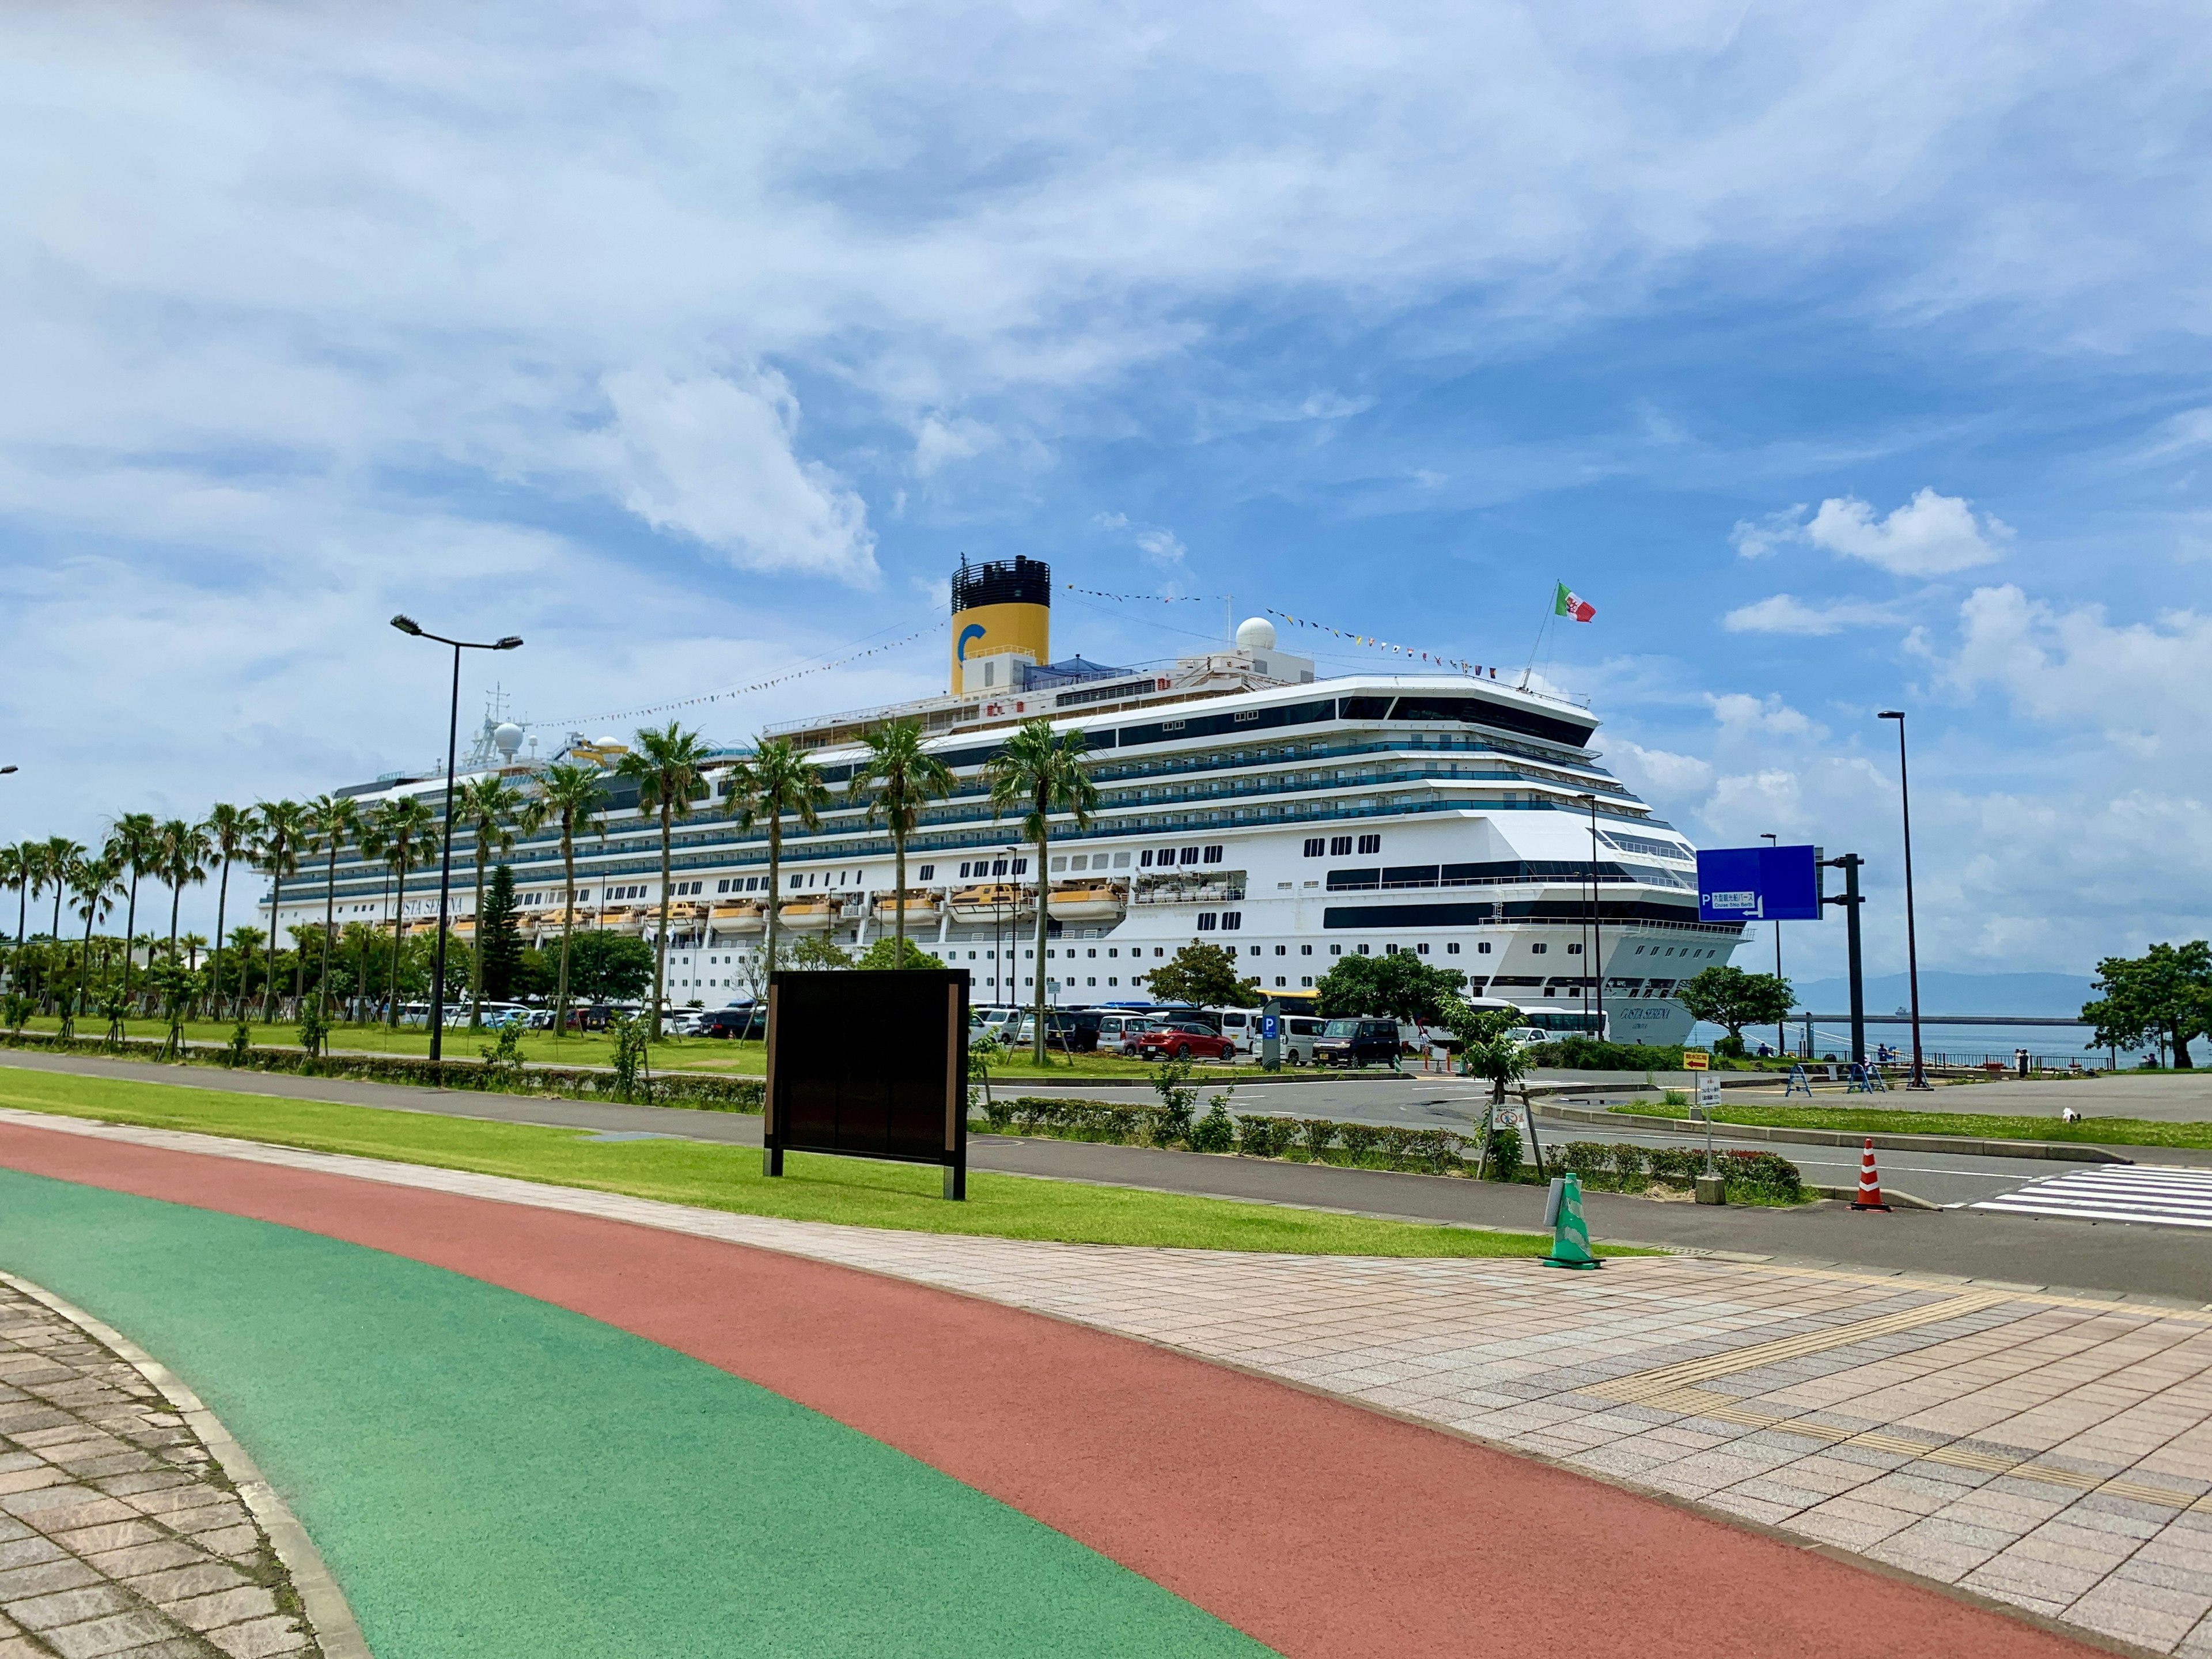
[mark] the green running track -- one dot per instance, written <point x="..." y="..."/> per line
<point x="490" y="1477"/>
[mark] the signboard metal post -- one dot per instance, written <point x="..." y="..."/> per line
<point x="1271" y="1036"/>
<point x="1850" y="899"/>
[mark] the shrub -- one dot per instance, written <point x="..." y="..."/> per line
<point x="1265" y="1137"/>
<point x="1316" y="1133"/>
<point x="1214" y="1133"/>
<point x="1504" y="1154"/>
<point x="1590" y="1161"/>
<point x="1765" y="1174"/>
<point x="1627" y="1159"/>
<point x="1360" y="1140"/>
<point x="1585" y="1054"/>
<point x="998" y="1113"/>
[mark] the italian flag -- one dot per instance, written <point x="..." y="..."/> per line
<point x="1568" y="602"/>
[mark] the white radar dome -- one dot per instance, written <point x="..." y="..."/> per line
<point x="508" y="736"/>
<point x="609" y="741"/>
<point x="1257" y="634"/>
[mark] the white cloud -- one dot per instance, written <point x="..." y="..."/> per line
<point x="711" y="456"/>
<point x="2143" y="685"/>
<point x="1659" y="771"/>
<point x="1739" y="714"/>
<point x="1930" y="535"/>
<point x="939" y="441"/>
<point x="1160" y="545"/>
<point x="1334" y="406"/>
<point x="1756" y="541"/>
<point x="1782" y="614"/>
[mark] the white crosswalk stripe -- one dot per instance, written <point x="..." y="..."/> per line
<point x="2163" y="1195"/>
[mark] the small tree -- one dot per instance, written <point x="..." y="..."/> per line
<point x="1400" y="986"/>
<point x="1204" y="976"/>
<point x="818" y="950"/>
<point x="1484" y="1047"/>
<point x="2166" y="992"/>
<point x="497" y="941"/>
<point x="614" y="967"/>
<point x="1722" y="995"/>
<point x="892" y="951"/>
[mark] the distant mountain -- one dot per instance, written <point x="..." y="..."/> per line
<point x="2048" y="995"/>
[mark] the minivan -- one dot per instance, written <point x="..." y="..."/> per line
<point x="1357" y="1042"/>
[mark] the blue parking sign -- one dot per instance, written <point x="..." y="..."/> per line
<point x="1759" y="883"/>
<point x="1268" y="1025"/>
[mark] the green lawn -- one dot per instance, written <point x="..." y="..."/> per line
<point x="847" y="1190"/>
<point x="713" y="1055"/>
<point x="1982" y="1126"/>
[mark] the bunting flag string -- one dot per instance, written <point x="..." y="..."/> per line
<point x="735" y="692"/>
<point x="1373" y="643"/>
<point x="1157" y="598"/>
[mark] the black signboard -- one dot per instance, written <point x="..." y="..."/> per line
<point x="869" y="1065"/>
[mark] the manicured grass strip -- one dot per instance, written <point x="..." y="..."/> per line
<point x="722" y="1056"/>
<point x="1982" y="1126"/>
<point x="846" y="1190"/>
<point x="491" y="1477"/>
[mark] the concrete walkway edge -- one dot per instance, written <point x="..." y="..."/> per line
<point x="2070" y="1151"/>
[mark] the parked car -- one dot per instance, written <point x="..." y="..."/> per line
<point x="1299" y="1031"/>
<point x="1357" y="1042"/>
<point x="1000" y="1023"/>
<point x="1118" y="1033"/>
<point x="1066" y="1029"/>
<point x="1183" y="1039"/>
<point x="739" y="1020"/>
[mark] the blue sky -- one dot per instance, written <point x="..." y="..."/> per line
<point x="1847" y="358"/>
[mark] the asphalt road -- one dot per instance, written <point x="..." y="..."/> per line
<point x="2112" y="1258"/>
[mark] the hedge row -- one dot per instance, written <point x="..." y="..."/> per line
<point x="1582" y="1053"/>
<point x="1630" y="1169"/>
<point x="715" y="1094"/>
<point x="1621" y="1168"/>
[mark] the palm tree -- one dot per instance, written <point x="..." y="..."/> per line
<point x="57" y="855"/>
<point x="778" y="779"/>
<point x="899" y="777"/>
<point x="333" y="821"/>
<point x="570" y="794"/>
<point x="280" y="832"/>
<point x="131" y="845"/>
<point x="406" y="829"/>
<point x="669" y="766"/>
<point x="1042" y="772"/>
<point x="484" y="806"/>
<point x="96" y="881"/>
<point x="193" y="944"/>
<point x="180" y="856"/>
<point x="230" y="833"/>
<point x="18" y="864"/>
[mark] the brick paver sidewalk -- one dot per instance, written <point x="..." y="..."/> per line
<point x="120" y="1536"/>
<point x="2048" y="1451"/>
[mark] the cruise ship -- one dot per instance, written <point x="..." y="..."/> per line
<point x="1242" y="800"/>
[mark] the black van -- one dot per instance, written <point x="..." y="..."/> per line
<point x="747" y="1020"/>
<point x="1356" y="1042"/>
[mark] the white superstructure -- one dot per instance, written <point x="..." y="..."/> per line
<point x="1242" y="801"/>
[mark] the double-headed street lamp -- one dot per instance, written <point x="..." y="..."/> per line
<point x="407" y="624"/>
<point x="1911" y="947"/>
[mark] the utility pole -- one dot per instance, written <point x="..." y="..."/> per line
<point x="1849" y="898"/>
<point x="1781" y="1030"/>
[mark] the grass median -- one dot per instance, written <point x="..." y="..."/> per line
<point x="723" y="1057"/>
<point x="851" y="1191"/>
<point x="1978" y="1126"/>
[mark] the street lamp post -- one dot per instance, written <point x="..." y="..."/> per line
<point x="1781" y="1026"/>
<point x="407" y="624"/>
<point x="1912" y="946"/>
<point x="1597" y="925"/>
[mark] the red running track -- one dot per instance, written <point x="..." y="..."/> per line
<point x="1316" y="1526"/>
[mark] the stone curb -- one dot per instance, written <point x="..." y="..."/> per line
<point x="2060" y="1150"/>
<point x="327" y="1612"/>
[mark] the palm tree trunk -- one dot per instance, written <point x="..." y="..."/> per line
<point x="176" y="898"/>
<point x="660" y="945"/>
<point x="329" y="921"/>
<point x="567" y="928"/>
<point x="774" y="883"/>
<point x="222" y="898"/>
<point x="476" y="943"/>
<point x="898" y="899"/>
<point x="399" y="907"/>
<point x="1042" y="907"/>
<point x="84" y="965"/>
<point x="276" y="903"/>
<point x="130" y="930"/>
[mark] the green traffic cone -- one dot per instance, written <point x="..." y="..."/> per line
<point x="1563" y="1214"/>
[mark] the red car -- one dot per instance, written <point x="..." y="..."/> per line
<point x="1177" y="1041"/>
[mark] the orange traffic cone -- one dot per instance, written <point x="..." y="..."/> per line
<point x="1869" y="1196"/>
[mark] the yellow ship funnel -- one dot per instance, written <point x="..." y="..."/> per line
<point x="1000" y="606"/>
